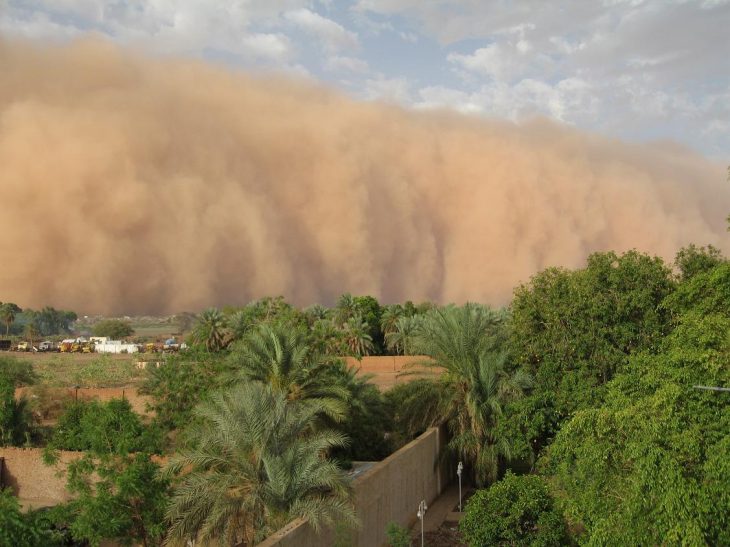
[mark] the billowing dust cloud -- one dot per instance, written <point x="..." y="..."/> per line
<point x="131" y="185"/>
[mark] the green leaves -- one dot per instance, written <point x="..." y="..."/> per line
<point x="656" y="450"/>
<point x="255" y="462"/>
<point x="26" y="529"/>
<point x="518" y="510"/>
<point x="104" y="428"/>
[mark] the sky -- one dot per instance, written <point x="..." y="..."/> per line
<point x="636" y="70"/>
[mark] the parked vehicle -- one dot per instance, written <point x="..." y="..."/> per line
<point x="46" y="346"/>
<point x="22" y="346"/>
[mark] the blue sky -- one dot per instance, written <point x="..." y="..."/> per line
<point x="632" y="69"/>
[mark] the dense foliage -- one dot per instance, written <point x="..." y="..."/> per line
<point x="516" y="511"/>
<point x="104" y="428"/>
<point x="581" y="408"/>
<point x="254" y="463"/>
<point x="28" y="529"/>
<point x="115" y="329"/>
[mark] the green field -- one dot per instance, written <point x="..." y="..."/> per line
<point x="85" y="370"/>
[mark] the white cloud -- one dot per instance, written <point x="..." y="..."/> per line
<point x="350" y="64"/>
<point x="268" y="46"/>
<point x="396" y="90"/>
<point x="333" y="35"/>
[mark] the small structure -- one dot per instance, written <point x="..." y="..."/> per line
<point x="116" y="346"/>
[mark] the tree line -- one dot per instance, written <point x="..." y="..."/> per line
<point x="574" y="409"/>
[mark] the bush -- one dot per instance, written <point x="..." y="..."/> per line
<point x="19" y="372"/>
<point x="104" y="428"/>
<point x="116" y="329"/>
<point x="398" y="536"/>
<point x="518" y="510"/>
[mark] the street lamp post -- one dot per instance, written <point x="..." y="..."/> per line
<point x="459" y="469"/>
<point x="421" y="514"/>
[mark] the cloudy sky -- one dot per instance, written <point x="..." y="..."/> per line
<point x="640" y="70"/>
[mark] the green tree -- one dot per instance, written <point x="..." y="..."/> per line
<point x="238" y="324"/>
<point x="103" y="428"/>
<point x="402" y="338"/>
<point x="16" y="420"/>
<point x="467" y="344"/>
<point x="32" y="332"/>
<point x="692" y="260"/>
<point x="369" y="420"/>
<point x="116" y="329"/>
<point x="345" y="309"/>
<point x="210" y="330"/>
<point x="26" y="529"/>
<point x="8" y="311"/>
<point x="116" y="491"/>
<point x="49" y="320"/>
<point x="356" y="337"/>
<point x="254" y="465"/>
<point x="283" y="358"/>
<point x="574" y="330"/>
<point x="389" y="317"/>
<point x="705" y="292"/>
<point x="18" y="372"/>
<point x="116" y="497"/>
<point x="650" y="465"/>
<point x="516" y="511"/>
<point x="181" y="382"/>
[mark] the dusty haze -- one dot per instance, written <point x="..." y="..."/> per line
<point x="132" y="185"/>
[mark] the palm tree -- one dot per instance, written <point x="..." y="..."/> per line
<point x="8" y="311"/>
<point x="314" y="313"/>
<point x="356" y="333"/>
<point x="389" y="318"/>
<point x="346" y="309"/>
<point x="282" y="357"/>
<point x="210" y="330"/>
<point x="32" y="331"/>
<point x="255" y="464"/>
<point x="402" y="338"/>
<point x="467" y="343"/>
<point x="237" y="325"/>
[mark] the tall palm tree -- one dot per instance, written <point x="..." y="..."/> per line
<point x="389" y="317"/>
<point x="283" y="358"/>
<point x="356" y="333"/>
<point x="32" y="331"/>
<point x="345" y="309"/>
<point x="314" y="313"/>
<point x="8" y="311"/>
<point x="255" y="464"/>
<point x="210" y="330"/>
<point x="237" y="325"/>
<point x="403" y="337"/>
<point x="467" y="343"/>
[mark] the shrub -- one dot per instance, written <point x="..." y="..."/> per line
<point x="518" y="510"/>
<point x="398" y="536"/>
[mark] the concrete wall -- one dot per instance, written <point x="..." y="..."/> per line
<point x="33" y="482"/>
<point x="388" y="491"/>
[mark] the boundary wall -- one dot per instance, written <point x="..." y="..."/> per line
<point x="34" y="483"/>
<point x="138" y="402"/>
<point x="389" y="491"/>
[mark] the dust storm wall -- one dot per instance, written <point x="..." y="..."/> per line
<point x="137" y="185"/>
